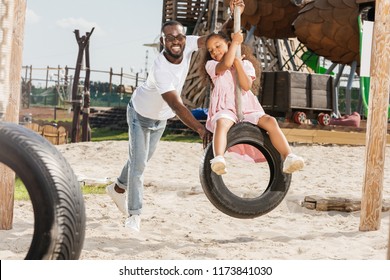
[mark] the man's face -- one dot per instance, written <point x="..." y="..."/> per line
<point x="174" y="41"/>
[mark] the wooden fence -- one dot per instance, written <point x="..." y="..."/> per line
<point x="63" y="75"/>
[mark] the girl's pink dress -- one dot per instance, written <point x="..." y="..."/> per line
<point x="222" y="99"/>
<point x="222" y="104"/>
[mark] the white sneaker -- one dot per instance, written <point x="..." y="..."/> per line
<point x="118" y="198"/>
<point x="218" y="165"/>
<point x="133" y="222"/>
<point x="293" y="163"/>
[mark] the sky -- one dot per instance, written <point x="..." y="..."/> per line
<point x="121" y="29"/>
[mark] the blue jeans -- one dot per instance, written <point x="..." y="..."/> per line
<point x="144" y="134"/>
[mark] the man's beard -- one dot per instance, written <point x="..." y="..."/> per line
<point x="174" y="55"/>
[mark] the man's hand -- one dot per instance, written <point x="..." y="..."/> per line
<point x="176" y="103"/>
<point x="239" y="3"/>
<point x="206" y="136"/>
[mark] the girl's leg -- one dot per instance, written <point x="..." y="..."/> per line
<point x="220" y="136"/>
<point x="218" y="163"/>
<point x="276" y="135"/>
<point x="291" y="162"/>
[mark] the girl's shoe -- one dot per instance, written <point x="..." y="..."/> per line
<point x="293" y="163"/>
<point x="218" y="165"/>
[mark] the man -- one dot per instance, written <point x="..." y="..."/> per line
<point x="151" y="105"/>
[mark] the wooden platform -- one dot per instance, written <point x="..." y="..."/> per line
<point x="315" y="202"/>
<point x="317" y="134"/>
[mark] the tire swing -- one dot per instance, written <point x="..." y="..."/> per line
<point x="56" y="197"/>
<point x="235" y="205"/>
<point x="216" y="189"/>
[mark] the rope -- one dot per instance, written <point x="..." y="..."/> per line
<point x="236" y="28"/>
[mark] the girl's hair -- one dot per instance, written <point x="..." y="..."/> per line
<point x="245" y="50"/>
<point x="220" y="35"/>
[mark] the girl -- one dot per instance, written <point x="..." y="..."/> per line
<point x="223" y="67"/>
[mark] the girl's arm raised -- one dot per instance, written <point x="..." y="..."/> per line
<point x="228" y="59"/>
<point x="244" y="80"/>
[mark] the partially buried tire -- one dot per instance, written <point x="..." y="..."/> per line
<point x="237" y="206"/>
<point x="56" y="197"/>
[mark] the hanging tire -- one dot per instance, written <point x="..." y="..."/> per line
<point x="238" y="206"/>
<point x="56" y="197"/>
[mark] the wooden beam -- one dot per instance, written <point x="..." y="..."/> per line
<point x="12" y="16"/>
<point x="82" y="42"/>
<point x="370" y="217"/>
<point x="316" y="136"/>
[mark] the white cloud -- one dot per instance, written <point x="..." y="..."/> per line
<point x="32" y="17"/>
<point x="81" y="24"/>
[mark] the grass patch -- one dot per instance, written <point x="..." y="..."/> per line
<point x="94" y="189"/>
<point x="22" y="194"/>
<point x="20" y="191"/>
<point x="107" y="134"/>
<point x="187" y="138"/>
<point x="65" y="120"/>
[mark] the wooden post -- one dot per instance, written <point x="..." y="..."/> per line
<point x="57" y="99"/>
<point x="86" y="131"/>
<point x="30" y="80"/>
<point x="76" y="97"/>
<point x="12" y="17"/>
<point x="47" y="76"/>
<point x="370" y="216"/>
<point x="110" y="87"/>
<point x="66" y="81"/>
<point x="25" y="74"/>
<point x="121" y="85"/>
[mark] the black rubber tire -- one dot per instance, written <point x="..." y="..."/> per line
<point x="55" y="193"/>
<point x="229" y="203"/>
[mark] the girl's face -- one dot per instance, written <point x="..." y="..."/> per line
<point x="217" y="47"/>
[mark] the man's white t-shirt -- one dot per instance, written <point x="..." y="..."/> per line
<point x="164" y="76"/>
